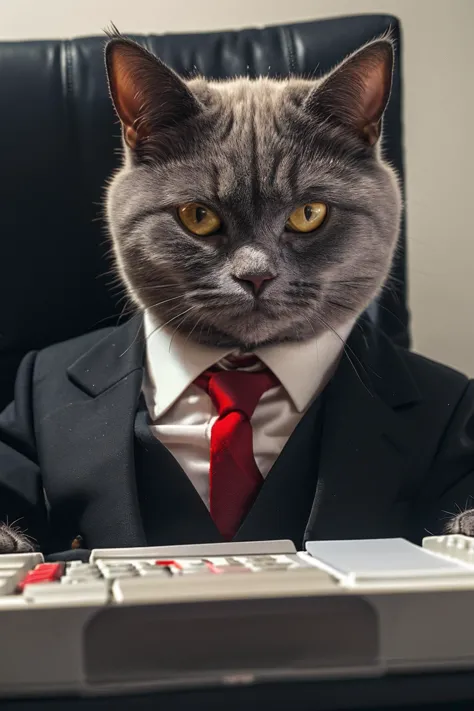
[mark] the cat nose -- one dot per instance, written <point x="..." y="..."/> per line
<point x="256" y="282"/>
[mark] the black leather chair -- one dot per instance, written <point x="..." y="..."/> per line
<point x="59" y="141"/>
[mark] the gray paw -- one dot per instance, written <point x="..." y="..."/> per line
<point x="462" y="523"/>
<point x="12" y="540"/>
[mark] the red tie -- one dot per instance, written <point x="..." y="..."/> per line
<point x="234" y="478"/>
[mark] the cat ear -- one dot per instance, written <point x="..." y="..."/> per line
<point x="148" y="96"/>
<point x="356" y="93"/>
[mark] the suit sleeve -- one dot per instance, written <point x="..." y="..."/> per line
<point x="22" y="500"/>
<point x="448" y="490"/>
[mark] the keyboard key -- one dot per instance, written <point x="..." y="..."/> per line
<point x="169" y="563"/>
<point x="23" y="560"/>
<point x="455" y="546"/>
<point x="383" y="562"/>
<point x="172" y="565"/>
<point x="8" y="583"/>
<point x="228" y="569"/>
<point x="95" y="592"/>
<point x="219" y="561"/>
<point x="118" y="574"/>
<point x="43" y="573"/>
<point x="82" y="571"/>
<point x="155" y="573"/>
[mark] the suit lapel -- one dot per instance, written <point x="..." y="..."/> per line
<point x="103" y="436"/>
<point x="366" y="445"/>
<point x="173" y="512"/>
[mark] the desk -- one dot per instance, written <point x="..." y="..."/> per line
<point x="441" y="692"/>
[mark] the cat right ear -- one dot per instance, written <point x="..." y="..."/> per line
<point x="148" y="96"/>
<point x="356" y="93"/>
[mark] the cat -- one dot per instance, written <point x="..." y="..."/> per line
<point x="252" y="211"/>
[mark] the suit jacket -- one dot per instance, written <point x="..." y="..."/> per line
<point x="396" y="455"/>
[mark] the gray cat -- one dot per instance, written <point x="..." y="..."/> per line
<point x="250" y="212"/>
<point x="238" y="156"/>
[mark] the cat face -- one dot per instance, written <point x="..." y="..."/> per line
<point x="252" y="211"/>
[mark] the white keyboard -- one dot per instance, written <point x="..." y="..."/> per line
<point x="140" y="619"/>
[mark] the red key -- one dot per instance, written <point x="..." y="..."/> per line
<point x="169" y="563"/>
<point x="220" y="570"/>
<point x="43" y="573"/>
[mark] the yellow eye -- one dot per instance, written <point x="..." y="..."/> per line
<point x="307" y="218"/>
<point x="199" y="219"/>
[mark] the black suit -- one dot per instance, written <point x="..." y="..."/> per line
<point x="386" y="453"/>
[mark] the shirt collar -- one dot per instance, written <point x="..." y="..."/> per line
<point x="173" y="362"/>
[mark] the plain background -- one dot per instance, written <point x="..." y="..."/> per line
<point x="439" y="109"/>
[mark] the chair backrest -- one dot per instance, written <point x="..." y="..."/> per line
<point x="58" y="144"/>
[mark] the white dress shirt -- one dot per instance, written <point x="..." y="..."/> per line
<point x="182" y="414"/>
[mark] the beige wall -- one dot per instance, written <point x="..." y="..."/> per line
<point x="439" y="110"/>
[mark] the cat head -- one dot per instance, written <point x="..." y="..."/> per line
<point x="252" y="211"/>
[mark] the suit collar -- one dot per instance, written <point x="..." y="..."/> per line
<point x="173" y="362"/>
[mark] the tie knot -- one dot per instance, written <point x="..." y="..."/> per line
<point x="235" y="390"/>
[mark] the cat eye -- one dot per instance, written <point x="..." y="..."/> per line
<point x="199" y="219"/>
<point x="307" y="218"/>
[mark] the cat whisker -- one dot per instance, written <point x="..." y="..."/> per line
<point x="192" y="330"/>
<point x="296" y="302"/>
<point x="200" y="333"/>
<point x="176" y="329"/>
<point x="310" y="324"/>
<point x="392" y="278"/>
<point x="301" y="296"/>
<point x="204" y="287"/>
<point x="109" y="272"/>
<point x="128" y="308"/>
<point x="134" y="339"/>
<point x="303" y="284"/>
<point x="160" y="303"/>
<point x="201" y="294"/>
<point x="389" y="311"/>
<point x="14" y="524"/>
<point x="341" y="307"/>
<point x="353" y="280"/>
<point x="158" y="328"/>
<point x="347" y="350"/>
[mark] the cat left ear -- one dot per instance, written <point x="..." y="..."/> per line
<point x="148" y="96"/>
<point x="356" y="93"/>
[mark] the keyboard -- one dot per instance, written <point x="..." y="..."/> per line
<point x="137" y="620"/>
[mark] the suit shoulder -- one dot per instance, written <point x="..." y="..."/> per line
<point x="429" y="375"/>
<point x="61" y="355"/>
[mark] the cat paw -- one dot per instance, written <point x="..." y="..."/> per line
<point x="12" y="540"/>
<point x="462" y="523"/>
